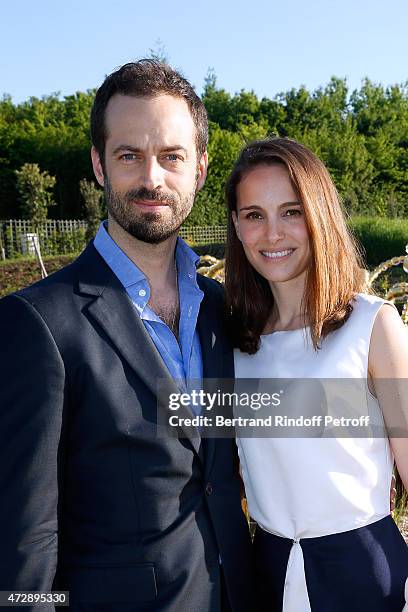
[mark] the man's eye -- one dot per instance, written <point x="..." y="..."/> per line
<point x="128" y="157"/>
<point x="173" y="157"/>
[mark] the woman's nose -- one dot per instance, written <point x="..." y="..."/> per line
<point x="274" y="230"/>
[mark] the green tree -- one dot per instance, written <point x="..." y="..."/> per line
<point x="54" y="134"/>
<point x="35" y="189"/>
<point x="158" y="52"/>
<point x="223" y="148"/>
<point x="217" y="102"/>
<point x="362" y="137"/>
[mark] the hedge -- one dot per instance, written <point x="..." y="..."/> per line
<point x="380" y="238"/>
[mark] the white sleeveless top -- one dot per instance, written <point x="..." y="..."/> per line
<point x="309" y="487"/>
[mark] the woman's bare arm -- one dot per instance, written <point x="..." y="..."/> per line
<point x="388" y="372"/>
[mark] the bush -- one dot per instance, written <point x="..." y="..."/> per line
<point x="93" y="197"/>
<point x="35" y="188"/>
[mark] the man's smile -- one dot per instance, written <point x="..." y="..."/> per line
<point x="150" y="204"/>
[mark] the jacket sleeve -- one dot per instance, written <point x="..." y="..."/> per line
<point x="32" y="380"/>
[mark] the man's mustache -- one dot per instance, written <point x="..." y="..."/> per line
<point x="154" y="195"/>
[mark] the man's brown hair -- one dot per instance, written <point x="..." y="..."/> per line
<point x="146" y="78"/>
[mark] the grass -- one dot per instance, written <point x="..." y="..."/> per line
<point x="23" y="271"/>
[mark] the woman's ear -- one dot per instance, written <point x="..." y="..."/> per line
<point x="236" y="223"/>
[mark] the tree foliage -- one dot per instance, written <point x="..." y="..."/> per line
<point x="54" y="134"/>
<point x="159" y="52"/>
<point x="361" y="135"/>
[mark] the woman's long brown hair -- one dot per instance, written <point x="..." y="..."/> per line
<point x="334" y="275"/>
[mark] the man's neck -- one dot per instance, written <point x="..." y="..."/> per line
<point x="156" y="261"/>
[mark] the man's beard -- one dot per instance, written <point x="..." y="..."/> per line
<point x="149" y="227"/>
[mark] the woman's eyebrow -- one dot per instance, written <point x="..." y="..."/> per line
<point x="256" y="207"/>
<point x="251" y="206"/>
<point x="295" y="203"/>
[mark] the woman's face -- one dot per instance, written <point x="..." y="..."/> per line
<point x="271" y="225"/>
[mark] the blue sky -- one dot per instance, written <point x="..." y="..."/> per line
<point x="267" y="46"/>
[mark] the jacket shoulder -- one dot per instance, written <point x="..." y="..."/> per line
<point x="61" y="282"/>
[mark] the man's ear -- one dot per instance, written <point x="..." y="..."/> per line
<point x="202" y="171"/>
<point x="236" y="223"/>
<point x="97" y="166"/>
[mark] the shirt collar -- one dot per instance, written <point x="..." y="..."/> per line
<point x="127" y="272"/>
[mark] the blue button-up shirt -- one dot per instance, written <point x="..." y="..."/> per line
<point x="183" y="360"/>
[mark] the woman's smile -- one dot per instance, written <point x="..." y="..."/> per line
<point x="277" y="255"/>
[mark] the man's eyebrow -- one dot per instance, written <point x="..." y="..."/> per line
<point x="132" y="149"/>
<point x="176" y="147"/>
<point x="255" y="207"/>
<point x="126" y="147"/>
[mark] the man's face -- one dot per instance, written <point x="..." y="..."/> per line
<point x="151" y="172"/>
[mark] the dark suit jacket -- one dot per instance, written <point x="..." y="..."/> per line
<point x="91" y="500"/>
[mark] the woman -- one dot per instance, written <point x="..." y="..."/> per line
<point x="325" y="539"/>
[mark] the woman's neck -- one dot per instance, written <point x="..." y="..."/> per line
<point x="287" y="309"/>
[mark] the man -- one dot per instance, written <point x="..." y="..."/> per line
<point x="92" y="500"/>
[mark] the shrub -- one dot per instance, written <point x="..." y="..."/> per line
<point x="35" y="188"/>
<point x="92" y="197"/>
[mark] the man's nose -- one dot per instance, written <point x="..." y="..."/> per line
<point x="152" y="174"/>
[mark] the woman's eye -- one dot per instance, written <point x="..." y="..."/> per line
<point x="292" y="212"/>
<point x="253" y="215"/>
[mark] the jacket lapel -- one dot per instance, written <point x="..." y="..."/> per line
<point x="115" y="314"/>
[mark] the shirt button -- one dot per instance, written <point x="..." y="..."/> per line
<point x="189" y="311"/>
<point x="190" y="276"/>
<point x="209" y="488"/>
<point x="142" y="292"/>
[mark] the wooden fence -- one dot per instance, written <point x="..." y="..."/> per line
<point x="57" y="237"/>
